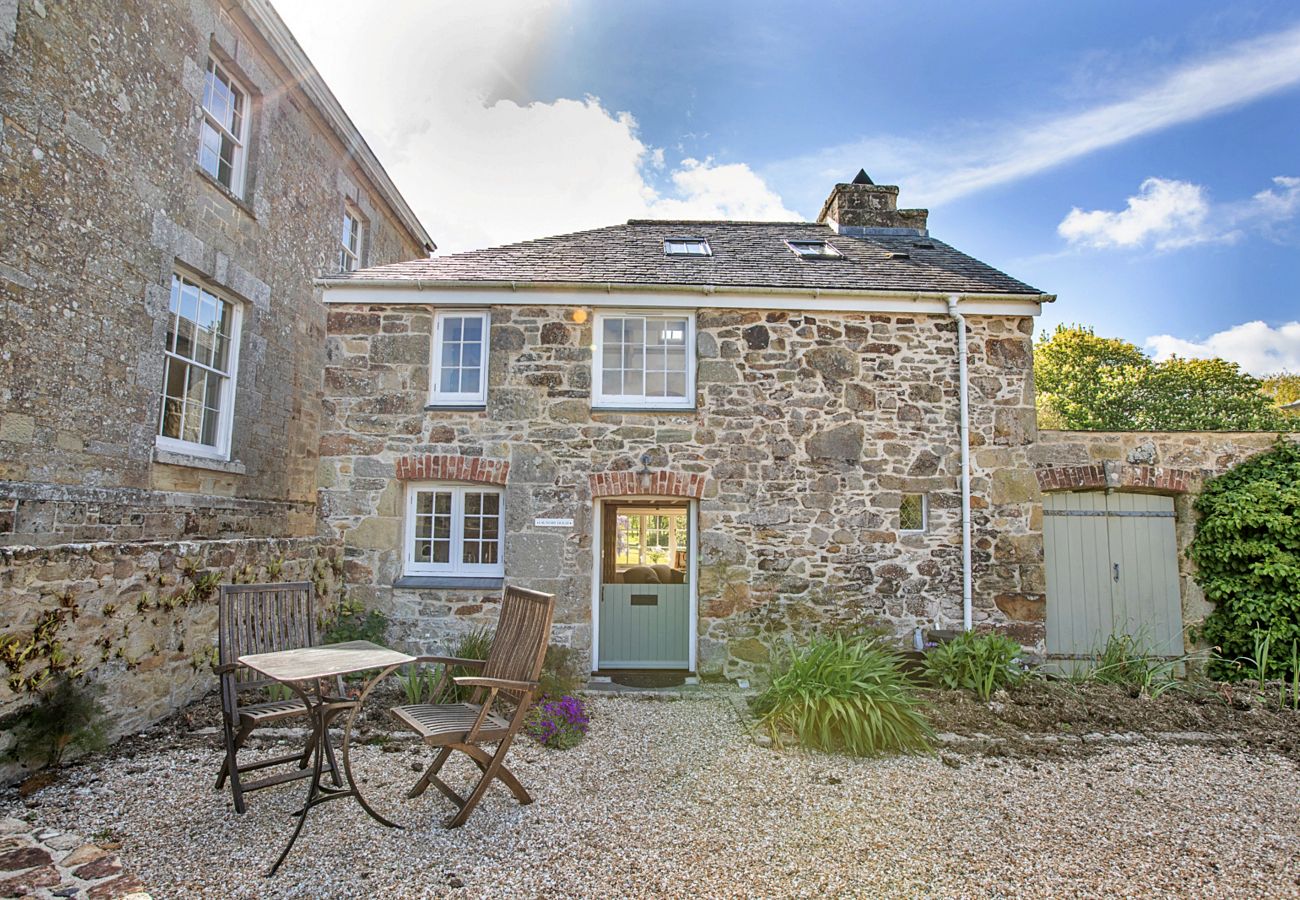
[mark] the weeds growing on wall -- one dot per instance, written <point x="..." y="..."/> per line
<point x="982" y="663"/>
<point x="844" y="694"/>
<point x="1247" y="554"/>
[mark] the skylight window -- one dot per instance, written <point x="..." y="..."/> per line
<point x="686" y="247"/>
<point x="813" y="250"/>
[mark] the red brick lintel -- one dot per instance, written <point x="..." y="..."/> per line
<point x="659" y="483"/>
<point x="430" y="467"/>
<point x="1097" y="476"/>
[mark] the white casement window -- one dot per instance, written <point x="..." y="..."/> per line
<point x="914" y="514"/>
<point x="224" y="134"/>
<point x="458" y="376"/>
<point x="454" y="530"/>
<point x="350" y="241"/>
<point x="644" y="360"/>
<point x="201" y="359"/>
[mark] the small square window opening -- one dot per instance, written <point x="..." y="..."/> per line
<point x="913" y="513"/>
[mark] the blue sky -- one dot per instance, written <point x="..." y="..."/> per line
<point x="1140" y="160"/>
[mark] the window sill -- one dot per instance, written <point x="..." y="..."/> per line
<point x="226" y="192"/>
<point x="645" y="409"/>
<point x="448" y="582"/>
<point x="455" y="407"/>
<point x="189" y="460"/>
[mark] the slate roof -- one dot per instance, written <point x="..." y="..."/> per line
<point x="745" y="254"/>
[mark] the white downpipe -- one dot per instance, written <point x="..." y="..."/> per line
<point x="963" y="390"/>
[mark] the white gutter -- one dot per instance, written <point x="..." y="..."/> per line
<point x="963" y="390"/>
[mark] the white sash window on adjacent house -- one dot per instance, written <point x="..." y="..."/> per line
<point x="458" y="376"/>
<point x="454" y="530"/>
<point x="224" y="132"/>
<point x="644" y="361"/>
<point x="350" y="241"/>
<point x="201" y="357"/>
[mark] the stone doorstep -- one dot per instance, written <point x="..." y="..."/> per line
<point x="45" y="863"/>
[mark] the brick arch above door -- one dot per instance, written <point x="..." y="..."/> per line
<point x="655" y="483"/>
<point x="445" y="467"/>
<point x="1114" y="475"/>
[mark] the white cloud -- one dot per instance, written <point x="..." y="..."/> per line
<point x="440" y="90"/>
<point x="1168" y="214"/>
<point x="1159" y="210"/>
<point x="1257" y="347"/>
<point x="972" y="157"/>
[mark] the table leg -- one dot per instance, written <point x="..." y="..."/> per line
<point x="347" y="745"/>
<point x="319" y="726"/>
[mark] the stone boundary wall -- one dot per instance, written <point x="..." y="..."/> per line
<point x="1160" y="462"/>
<point x="33" y="514"/>
<point x="139" y="619"/>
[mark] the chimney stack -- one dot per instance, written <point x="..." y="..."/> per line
<point x="863" y="208"/>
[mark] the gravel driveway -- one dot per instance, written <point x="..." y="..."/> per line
<point x="673" y="799"/>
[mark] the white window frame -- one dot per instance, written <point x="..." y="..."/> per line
<point x="794" y="246"/>
<point x="437" y="397"/>
<point x="237" y="165"/>
<point x="454" y="566"/>
<point x="925" y="513"/>
<point x="226" y="411"/>
<point x="601" y="400"/>
<point x="347" y="255"/>
<point x="668" y="251"/>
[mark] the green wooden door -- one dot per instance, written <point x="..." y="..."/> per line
<point x="645" y="626"/>
<point x="1112" y="569"/>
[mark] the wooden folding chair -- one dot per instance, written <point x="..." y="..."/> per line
<point x="509" y="674"/>
<point x="261" y="618"/>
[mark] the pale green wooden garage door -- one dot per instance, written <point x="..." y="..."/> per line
<point x="1112" y="569"/>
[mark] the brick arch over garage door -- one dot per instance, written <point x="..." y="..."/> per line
<point x="1118" y="476"/>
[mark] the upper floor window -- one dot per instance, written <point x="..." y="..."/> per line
<point x="687" y="247"/>
<point x="199" y="371"/>
<point x="225" y="128"/>
<point x="454" y="530"/>
<point x="813" y="250"/>
<point x="645" y="361"/>
<point x="458" y="376"/>
<point x="350" y="241"/>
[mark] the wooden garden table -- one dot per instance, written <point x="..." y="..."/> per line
<point x="304" y="671"/>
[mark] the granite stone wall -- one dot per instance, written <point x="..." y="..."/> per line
<point x="808" y="430"/>
<point x="100" y="201"/>
<point x="136" y="621"/>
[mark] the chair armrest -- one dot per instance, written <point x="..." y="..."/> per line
<point x="504" y="684"/>
<point x="452" y="661"/>
<point x="225" y="668"/>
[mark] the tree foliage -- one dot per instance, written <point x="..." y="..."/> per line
<point x="1247" y="552"/>
<point x="1282" y="388"/>
<point x="1091" y="383"/>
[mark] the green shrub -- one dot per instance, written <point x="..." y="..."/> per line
<point x="1247" y="554"/>
<point x="472" y="645"/>
<point x="1126" y="661"/>
<point x="844" y="694"/>
<point x="982" y="663"/>
<point x="561" y="671"/>
<point x="356" y="623"/>
<point x="68" y="716"/>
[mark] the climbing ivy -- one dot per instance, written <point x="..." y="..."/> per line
<point x="1247" y="552"/>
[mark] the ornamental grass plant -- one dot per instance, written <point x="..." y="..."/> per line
<point x="844" y="694"/>
<point x="982" y="663"/>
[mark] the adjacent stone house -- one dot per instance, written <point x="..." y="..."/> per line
<point x="704" y="437"/>
<point x="173" y="176"/>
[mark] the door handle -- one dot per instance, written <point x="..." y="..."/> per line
<point x="1117" y="573"/>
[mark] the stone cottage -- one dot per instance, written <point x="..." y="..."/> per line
<point x="173" y="176"/>
<point x="703" y="437"/>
